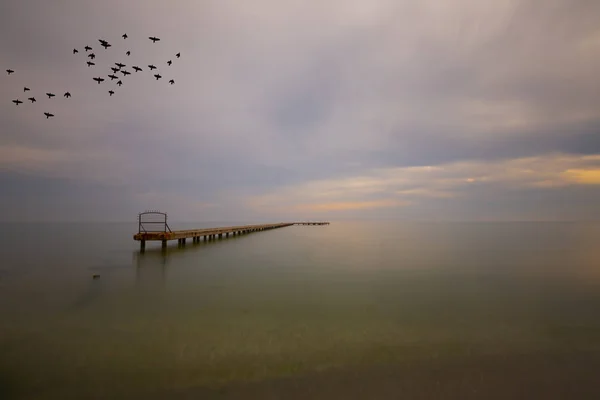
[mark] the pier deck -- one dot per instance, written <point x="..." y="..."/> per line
<point x="165" y="234"/>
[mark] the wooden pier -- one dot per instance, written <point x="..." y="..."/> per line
<point x="164" y="233"/>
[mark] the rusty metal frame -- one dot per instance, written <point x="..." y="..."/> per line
<point x="141" y="223"/>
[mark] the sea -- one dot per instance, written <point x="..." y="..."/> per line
<point x="351" y="310"/>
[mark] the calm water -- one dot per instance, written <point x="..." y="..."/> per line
<point x="350" y="310"/>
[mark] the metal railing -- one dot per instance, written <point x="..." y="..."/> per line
<point x="150" y="218"/>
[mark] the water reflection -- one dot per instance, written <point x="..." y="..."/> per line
<point x="151" y="269"/>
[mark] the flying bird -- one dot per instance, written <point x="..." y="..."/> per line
<point x="178" y="55"/>
<point x="124" y="36"/>
<point x="151" y="67"/>
<point x="110" y="92"/>
<point x="112" y="77"/>
<point x="67" y="95"/>
<point x="75" y="51"/>
<point x="10" y="71"/>
<point x="50" y="95"/>
<point x="17" y="101"/>
<point x="48" y="115"/>
<point x="154" y="39"/>
<point x="89" y="63"/>
<point x="157" y="76"/>
<point x="87" y="48"/>
<point x="137" y="69"/>
<point x="115" y="70"/>
<point x="171" y="81"/>
<point x="128" y="52"/>
<point x="99" y="80"/>
<point x="25" y="89"/>
<point x="126" y="72"/>
<point x="120" y="65"/>
<point x="31" y="99"/>
<point x="105" y="45"/>
<point x="169" y="62"/>
<point x="92" y="56"/>
<point x="119" y="83"/>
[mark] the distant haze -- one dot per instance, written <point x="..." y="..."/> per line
<point x="284" y="110"/>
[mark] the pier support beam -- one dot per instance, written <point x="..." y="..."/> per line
<point x="164" y="244"/>
<point x="142" y="245"/>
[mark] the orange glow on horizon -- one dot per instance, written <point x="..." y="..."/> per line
<point x="355" y="205"/>
<point x="583" y="176"/>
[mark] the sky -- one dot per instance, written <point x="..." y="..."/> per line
<point x="461" y="110"/>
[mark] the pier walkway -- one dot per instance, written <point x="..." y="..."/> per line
<point x="163" y="233"/>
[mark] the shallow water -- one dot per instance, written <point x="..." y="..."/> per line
<point x="352" y="310"/>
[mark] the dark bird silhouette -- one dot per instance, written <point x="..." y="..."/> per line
<point x="92" y="56"/>
<point x="25" y="89"/>
<point x="87" y="48"/>
<point x="171" y="81"/>
<point x="89" y="63"/>
<point x="137" y="69"/>
<point x="105" y="45"/>
<point x="151" y="67"/>
<point x="178" y="55"/>
<point x="10" y="71"/>
<point x="128" y="52"/>
<point x="115" y="70"/>
<point x="124" y="36"/>
<point x="113" y="77"/>
<point x="99" y="80"/>
<point x="120" y="65"/>
<point x="32" y="100"/>
<point x="169" y="62"/>
<point x="157" y="76"/>
<point x="126" y="72"/>
<point x="119" y="83"/>
<point x="50" y="95"/>
<point x="110" y="92"/>
<point x="48" y="115"/>
<point x="67" y="95"/>
<point x="75" y="51"/>
<point x="154" y="39"/>
<point x="17" y="101"/>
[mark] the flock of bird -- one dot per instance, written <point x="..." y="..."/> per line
<point x="118" y="68"/>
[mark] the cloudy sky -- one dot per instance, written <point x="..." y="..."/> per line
<point x="293" y="109"/>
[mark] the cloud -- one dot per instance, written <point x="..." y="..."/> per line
<point x="346" y="100"/>
<point x="406" y="186"/>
